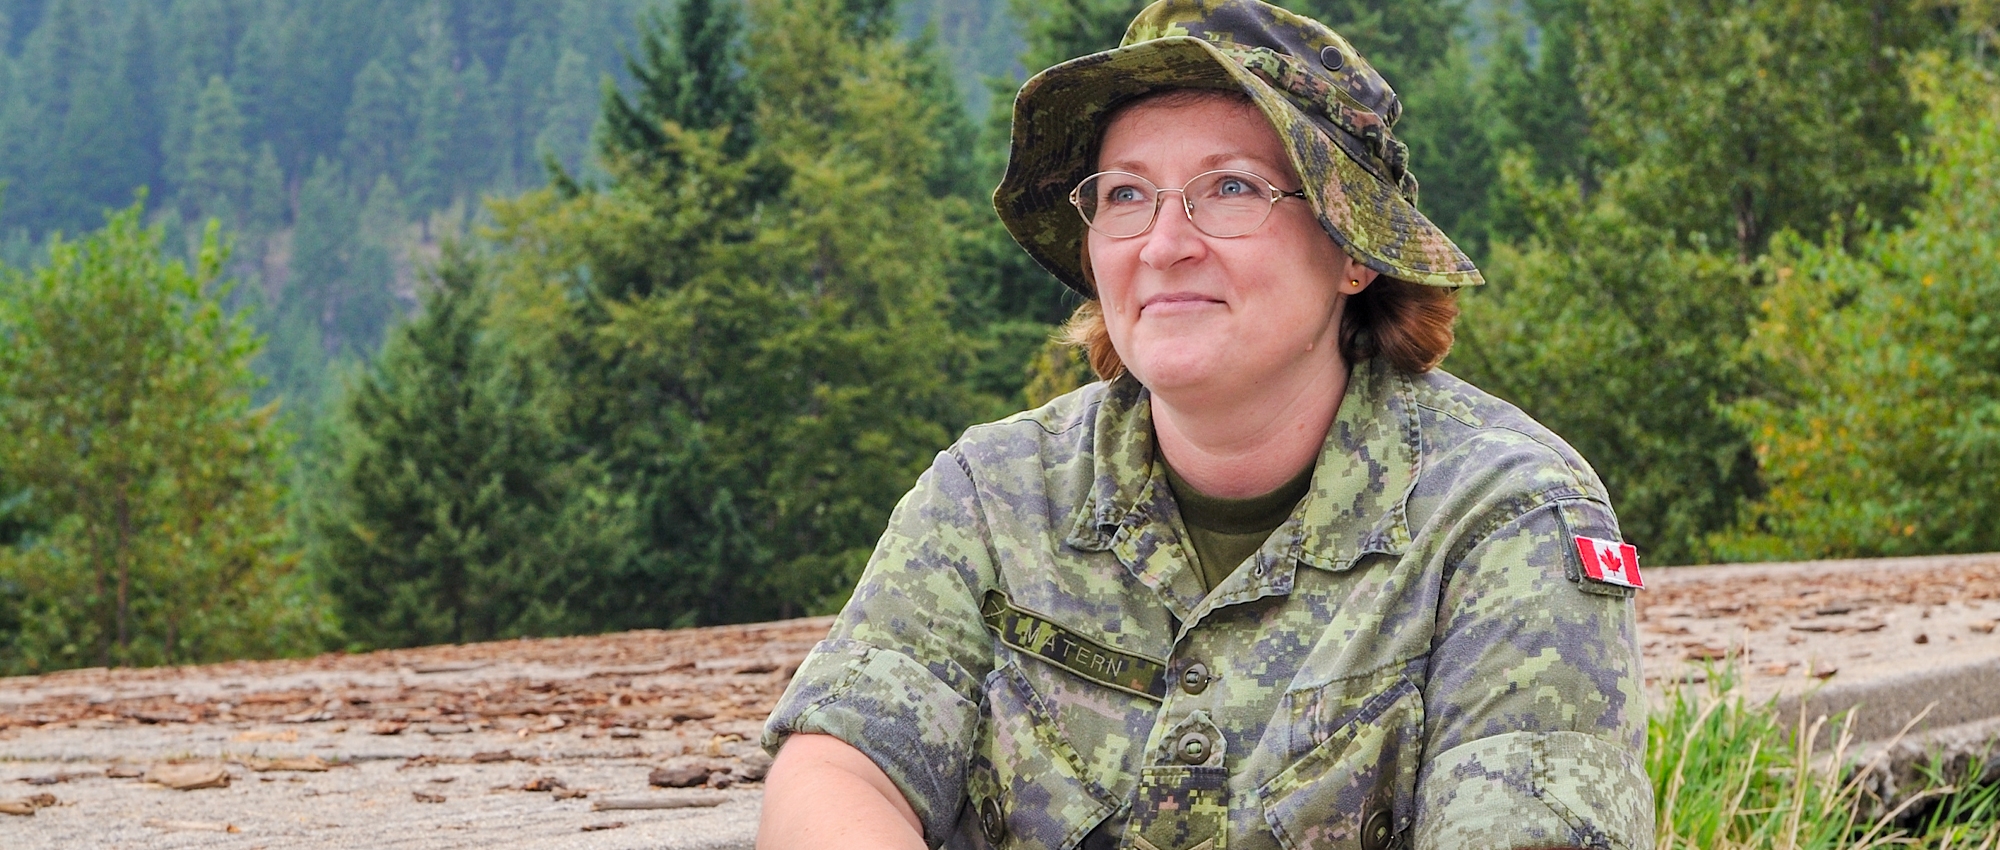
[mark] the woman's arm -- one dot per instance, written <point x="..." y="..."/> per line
<point x="823" y="793"/>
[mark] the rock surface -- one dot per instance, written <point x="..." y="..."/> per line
<point x="515" y="743"/>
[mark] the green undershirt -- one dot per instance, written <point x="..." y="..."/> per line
<point x="1225" y="532"/>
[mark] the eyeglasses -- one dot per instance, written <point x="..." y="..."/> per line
<point x="1224" y="204"/>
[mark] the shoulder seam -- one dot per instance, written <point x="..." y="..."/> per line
<point x="1580" y="476"/>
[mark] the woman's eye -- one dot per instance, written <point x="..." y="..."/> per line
<point x="1230" y="187"/>
<point x="1126" y="195"/>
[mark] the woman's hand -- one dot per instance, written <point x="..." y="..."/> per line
<point x="822" y="793"/>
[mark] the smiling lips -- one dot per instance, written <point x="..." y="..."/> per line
<point x="1170" y="303"/>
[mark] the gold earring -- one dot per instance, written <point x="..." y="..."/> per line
<point x="1356" y="284"/>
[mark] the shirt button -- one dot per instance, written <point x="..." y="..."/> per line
<point x="1195" y="679"/>
<point x="990" y="821"/>
<point x="1192" y="749"/>
<point x="1377" y="829"/>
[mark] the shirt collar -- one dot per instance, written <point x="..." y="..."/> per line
<point x="1357" y="504"/>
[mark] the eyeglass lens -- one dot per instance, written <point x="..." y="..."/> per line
<point x="1222" y="203"/>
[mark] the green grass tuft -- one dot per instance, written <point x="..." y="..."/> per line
<point x="1729" y="773"/>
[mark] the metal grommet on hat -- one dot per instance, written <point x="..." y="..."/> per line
<point x="1330" y="58"/>
<point x="990" y="821"/>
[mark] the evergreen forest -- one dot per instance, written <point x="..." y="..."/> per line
<point x="370" y="323"/>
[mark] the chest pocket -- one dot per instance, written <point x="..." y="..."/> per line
<point x="1356" y="785"/>
<point x="1025" y="782"/>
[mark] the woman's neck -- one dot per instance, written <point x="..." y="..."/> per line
<point x="1248" y="441"/>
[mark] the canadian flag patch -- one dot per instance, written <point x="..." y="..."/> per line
<point x="1610" y="561"/>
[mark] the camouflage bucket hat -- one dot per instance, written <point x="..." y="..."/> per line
<point x="1331" y="109"/>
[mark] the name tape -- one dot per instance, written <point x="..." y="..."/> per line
<point x="1035" y="635"/>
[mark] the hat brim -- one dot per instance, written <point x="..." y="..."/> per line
<point x="1059" y="117"/>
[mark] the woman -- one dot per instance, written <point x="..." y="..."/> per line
<point x="1275" y="582"/>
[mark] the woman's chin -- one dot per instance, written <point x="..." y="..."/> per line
<point x="1181" y="371"/>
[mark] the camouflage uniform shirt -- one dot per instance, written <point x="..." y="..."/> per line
<point x="1412" y="659"/>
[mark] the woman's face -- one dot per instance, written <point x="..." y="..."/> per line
<point x="1188" y="311"/>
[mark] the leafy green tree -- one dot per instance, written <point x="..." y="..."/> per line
<point x="1619" y="320"/>
<point x="1736" y="120"/>
<point x="125" y="415"/>
<point x="448" y="516"/>
<point x="1879" y="433"/>
<point x="1607" y="330"/>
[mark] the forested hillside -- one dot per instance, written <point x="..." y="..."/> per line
<point x="441" y="320"/>
<point x="323" y="134"/>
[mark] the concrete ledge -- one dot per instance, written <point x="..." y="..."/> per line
<point x="1883" y="706"/>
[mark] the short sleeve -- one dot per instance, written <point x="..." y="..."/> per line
<point x="899" y="676"/>
<point x="1535" y="710"/>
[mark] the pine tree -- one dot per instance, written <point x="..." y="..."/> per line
<point x="568" y="113"/>
<point x="322" y="256"/>
<point x="445" y="514"/>
<point x="323" y="46"/>
<point x="140" y="66"/>
<point x="376" y="141"/>
<point x="1060" y="30"/>
<point x="477" y="140"/>
<point x="214" y="171"/>
<point x="689" y="72"/>
<point x="760" y="382"/>
<point x="436" y="122"/>
<point x="1446" y="126"/>
<point x="1404" y="39"/>
<point x="268" y="206"/>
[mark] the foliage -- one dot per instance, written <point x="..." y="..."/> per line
<point x="447" y="516"/>
<point x="1608" y="331"/>
<point x="1738" y="120"/>
<point x="754" y="343"/>
<point x="1880" y="431"/>
<point x="1618" y="319"/>
<point x="691" y="74"/>
<point x="154" y="487"/>
<point x="254" y="112"/>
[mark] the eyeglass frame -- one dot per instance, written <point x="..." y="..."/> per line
<point x="1187" y="206"/>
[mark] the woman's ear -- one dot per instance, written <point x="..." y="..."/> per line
<point x="1357" y="277"/>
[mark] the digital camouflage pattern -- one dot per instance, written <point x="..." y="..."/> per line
<point x="1412" y="659"/>
<point x="1331" y="109"/>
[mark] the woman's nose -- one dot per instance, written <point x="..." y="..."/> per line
<point x="1173" y="238"/>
